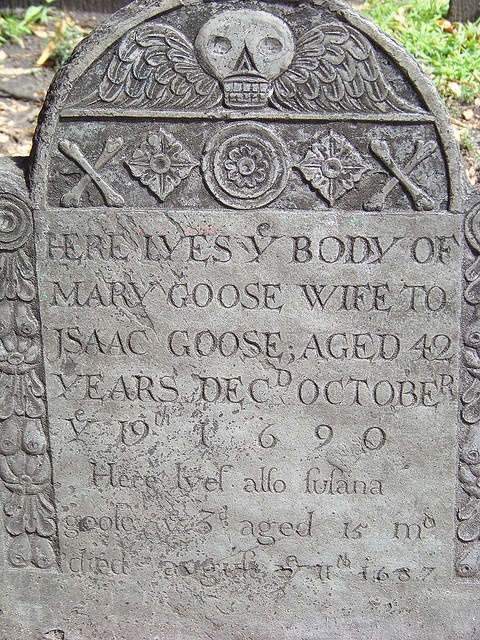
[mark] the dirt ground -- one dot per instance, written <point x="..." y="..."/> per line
<point x="23" y="86"/>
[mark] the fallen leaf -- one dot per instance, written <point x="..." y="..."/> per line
<point x="23" y="149"/>
<point x="455" y="89"/>
<point x="62" y="25"/>
<point x="398" y="17"/>
<point x="16" y="71"/>
<point x="467" y="114"/>
<point x="446" y="25"/>
<point x="46" y="54"/>
<point x="458" y="123"/>
<point x="38" y="30"/>
<point x="472" y="176"/>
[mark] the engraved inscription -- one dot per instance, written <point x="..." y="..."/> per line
<point x="341" y="390"/>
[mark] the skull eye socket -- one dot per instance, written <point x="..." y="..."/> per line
<point x="219" y="45"/>
<point x="270" y="46"/>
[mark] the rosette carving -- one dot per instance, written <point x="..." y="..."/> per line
<point x="25" y="468"/>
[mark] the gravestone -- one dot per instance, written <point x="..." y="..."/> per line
<point x="239" y="338"/>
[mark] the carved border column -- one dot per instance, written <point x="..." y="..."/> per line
<point x="468" y="501"/>
<point x="28" y="507"/>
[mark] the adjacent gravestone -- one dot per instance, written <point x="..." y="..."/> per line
<point x="239" y="338"/>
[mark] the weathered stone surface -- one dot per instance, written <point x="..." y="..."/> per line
<point x="239" y="343"/>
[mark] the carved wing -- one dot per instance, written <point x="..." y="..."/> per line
<point x="155" y="66"/>
<point x="335" y="68"/>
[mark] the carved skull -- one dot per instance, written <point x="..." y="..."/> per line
<point x="245" y="50"/>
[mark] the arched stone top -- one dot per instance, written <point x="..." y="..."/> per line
<point x="111" y="77"/>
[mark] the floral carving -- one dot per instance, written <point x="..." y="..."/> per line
<point x="468" y="513"/>
<point x="21" y="388"/>
<point x="332" y="166"/>
<point x="16" y="277"/>
<point x="25" y="468"/>
<point x="246" y="166"/>
<point x="26" y="473"/>
<point x="161" y="163"/>
<point x="469" y="475"/>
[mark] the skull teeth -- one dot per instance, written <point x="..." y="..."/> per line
<point x="240" y="92"/>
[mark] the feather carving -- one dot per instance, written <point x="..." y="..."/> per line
<point x="156" y="66"/>
<point x="335" y="69"/>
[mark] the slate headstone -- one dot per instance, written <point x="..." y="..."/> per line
<point x="239" y="338"/>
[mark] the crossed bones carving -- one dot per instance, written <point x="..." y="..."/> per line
<point x="421" y="201"/>
<point x="71" y="150"/>
<point x="380" y="148"/>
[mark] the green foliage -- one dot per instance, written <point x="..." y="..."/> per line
<point x="13" y="26"/>
<point x="469" y="145"/>
<point x="66" y="37"/>
<point x="449" y="53"/>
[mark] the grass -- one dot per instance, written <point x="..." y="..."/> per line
<point x="60" y="41"/>
<point x="64" y="38"/>
<point x="469" y="146"/>
<point x="14" y="26"/>
<point x="449" y="53"/>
